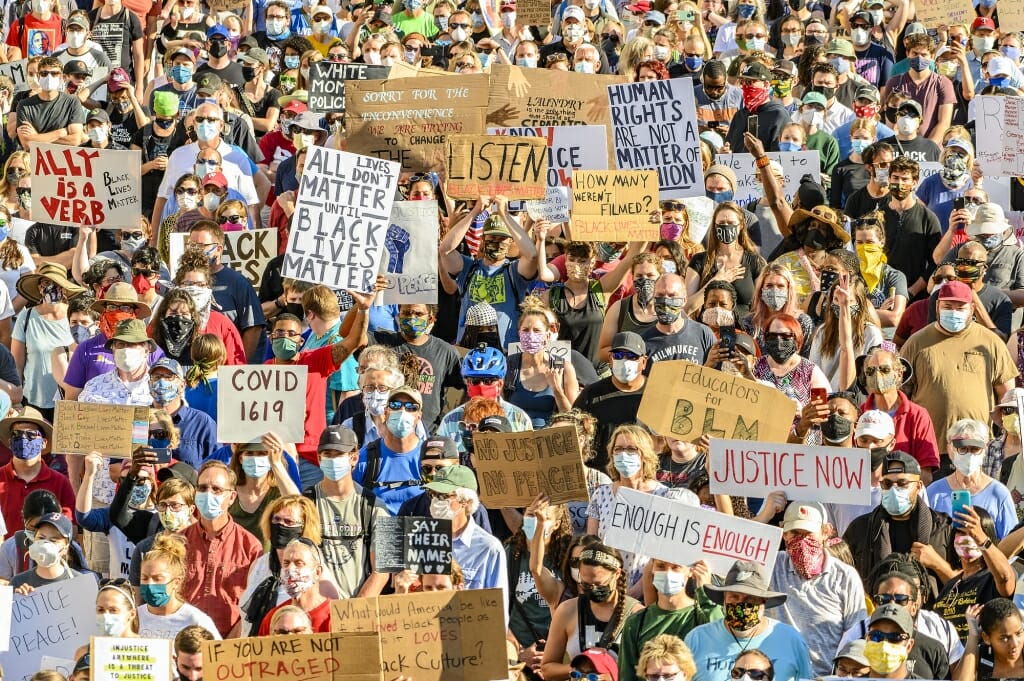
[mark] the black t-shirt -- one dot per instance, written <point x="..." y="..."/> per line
<point x="920" y="149"/>
<point x="116" y="35"/>
<point x="53" y="115"/>
<point x="8" y="369"/>
<point x="910" y="239"/>
<point x="771" y="118"/>
<point x="49" y="240"/>
<point x="745" y="286"/>
<point x="232" y="73"/>
<point x="123" y="127"/>
<point x="152" y="146"/>
<point x="611" y="407"/>
<point x="861" y="202"/>
<point x="269" y="100"/>
<point x="558" y="47"/>
<point x="959" y="593"/>
<point x="847" y="178"/>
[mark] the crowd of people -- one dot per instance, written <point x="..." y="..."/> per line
<point x="880" y="299"/>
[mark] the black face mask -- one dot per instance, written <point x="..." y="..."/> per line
<point x="217" y="48"/>
<point x="890" y="114"/>
<point x="177" y="333"/>
<point x="797" y="5"/>
<point x="837" y="428"/>
<point x="780" y="349"/>
<point x="827" y="92"/>
<point x="280" y="535"/>
<point x="295" y="309"/>
<point x="248" y="72"/>
<point x="828" y="278"/>
<point x="599" y="593"/>
<point x="489" y="338"/>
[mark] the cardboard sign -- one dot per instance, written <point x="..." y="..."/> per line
<point x="615" y="205"/>
<point x="655" y="127"/>
<point x="257" y="399"/>
<point x="309" y="657"/>
<point x="113" y="430"/>
<point x="1011" y="16"/>
<point x="1001" y="148"/>
<point x="438" y="636"/>
<point x="138" y="659"/>
<point x="679" y="533"/>
<point x="422" y="545"/>
<point x="687" y="400"/>
<point x="795" y="164"/>
<point x="411" y="244"/>
<point x="804" y="472"/>
<point x="327" y="83"/>
<point x="541" y="97"/>
<point x="52" y="621"/>
<point x="949" y="12"/>
<point x="247" y="252"/>
<point x="514" y="167"/>
<point x="341" y="218"/>
<point x="78" y="186"/>
<point x="513" y="468"/>
<point x="533" y="13"/>
<point x="570" y="147"/>
<point x="408" y="120"/>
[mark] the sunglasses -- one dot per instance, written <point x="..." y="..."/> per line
<point x="886" y="599"/>
<point x="489" y="380"/>
<point x="233" y="219"/>
<point x="206" y="119"/>
<point x="672" y="205"/>
<point x="132" y="235"/>
<point x="454" y="25"/>
<point x="580" y="676"/>
<point x="395" y="405"/>
<point x="871" y="371"/>
<point x="876" y="636"/>
<point x="755" y="674"/>
<point x="624" y="354"/>
<point x="159" y="434"/>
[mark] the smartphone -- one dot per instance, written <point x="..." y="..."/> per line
<point x="828" y="279"/>
<point x="727" y="334"/>
<point x="819" y="395"/>
<point x="752" y="125"/>
<point x="163" y="454"/>
<point x="556" y="362"/>
<point x="959" y="203"/>
<point x="961" y="501"/>
<point x="685" y="15"/>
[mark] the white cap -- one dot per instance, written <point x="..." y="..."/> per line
<point x="803" y="516"/>
<point x="999" y="66"/>
<point x="876" y="424"/>
<point x="989" y="219"/>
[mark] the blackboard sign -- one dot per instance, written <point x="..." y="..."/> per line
<point x="421" y="545"/>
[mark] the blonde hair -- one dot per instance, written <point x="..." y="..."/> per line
<point x="666" y="649"/>
<point x="322" y="302"/>
<point x="310" y="517"/>
<point x="533" y="306"/>
<point x="644" y="442"/>
<point x="169" y="548"/>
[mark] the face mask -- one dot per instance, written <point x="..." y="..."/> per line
<point x="187" y="202"/>
<point x="440" y="509"/>
<point x="276" y="27"/>
<point x="494" y="250"/>
<point x="44" y="553"/>
<point x="720" y="197"/>
<point x="625" y="370"/>
<point x="865" y="110"/>
<point x="948" y="69"/>
<point x="483" y="390"/>
<point x="661" y="52"/>
<point x="812" y="118"/>
<point x="807" y="555"/>
<point x="644" y="290"/>
<point x="51" y="83"/>
<point x="109" y="624"/>
<point x="717" y="316"/>
<point x="836" y="310"/>
<point x="413" y="327"/>
<point x="375" y="402"/>
<point x="527" y="62"/>
<point x="693" y="63"/>
<point x="25" y="449"/>
<point x="881" y="383"/>
<point x="292" y="61"/>
<point x="746" y="11"/>
<point x="218" y="48"/>
<point x="791" y="39"/>
<point x="177" y="333"/>
<point x="248" y="73"/>
<point x="573" y="33"/>
<point x="154" y="594"/>
<point x="210" y="506"/>
<point x="727" y="234"/>
<point x="304" y="71"/>
<point x="788" y="146"/>
<point x="668" y="267"/>
<point x="180" y="74"/>
<point x="508" y="20"/>
<point x="742" y="616"/>
<point x="442" y="24"/>
<point x="968" y="464"/>
<point x="256" y="466"/>
<point x="206" y="131"/>
<point x="40" y="6"/>
<point x="837" y="428"/>
<point x="599" y="593"/>
<point x="882" y="176"/>
<point x="583" y="67"/>
<point x="175" y="520"/>
<point x="76" y="39"/>
<point x="164" y="391"/>
<point x="1011" y="424"/>
<point x="129" y="360"/>
<point x="668" y="309"/>
<point x="532" y="342"/>
<point x="858" y="146"/>
<point x="140" y="494"/>
<point x="899" y="193"/>
<point x="860" y="36"/>
<point x="530" y="526"/>
<point x="284" y="348"/>
<point x="966" y="548"/>
<point x="606" y="252"/>
<point x="907" y="125"/>
<point x="841" y="65"/>
<point x="877" y="16"/>
<point x="627" y="465"/>
<point x="669" y="583"/>
<point x="478" y="20"/>
<point x="983" y="45"/>
<point x="896" y="501"/>
<point x="296" y="581"/>
<point x="953" y="321"/>
<point x="401" y="423"/>
<point x="459" y="34"/>
<point x="774" y="298"/>
<point x="920" y="63"/>
<point x="754" y="95"/>
<point x="337" y="468"/>
<point x="1001" y="81"/>
<point x="82" y="333"/>
<point x="885" y="657"/>
<point x="281" y="536"/>
<point x="295" y="309"/>
<point x="200" y="295"/>
<point x="780" y="349"/>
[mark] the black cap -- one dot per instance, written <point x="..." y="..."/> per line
<point x="629" y="341"/>
<point x="179" y="470"/>
<point x="209" y="83"/>
<point x="338" y="439"/>
<point x="494" y="424"/>
<point x="911" y="104"/>
<point x="439" y="448"/>
<point x="756" y="71"/>
<point x="900" y="462"/>
<point x="99" y="115"/>
<point x="77" y="67"/>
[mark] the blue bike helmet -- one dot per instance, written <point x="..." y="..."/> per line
<point x="483" y="361"/>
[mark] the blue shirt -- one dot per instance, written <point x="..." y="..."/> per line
<point x="939" y="198"/>
<point x="198" y="436"/>
<point x="842" y="135"/>
<point x="874" y="64"/>
<point x="394" y="467"/>
<point x="994" y="498"/>
<point x="482" y="560"/>
<point x="204" y="397"/>
<point x="499" y="285"/>
<point x="714" y="650"/>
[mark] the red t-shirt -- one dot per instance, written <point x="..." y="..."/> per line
<point x="915" y="433"/>
<point x="320" y="616"/>
<point x="320" y="365"/>
<point x="40" y="38"/>
<point x="220" y="325"/>
<point x="14" y="490"/>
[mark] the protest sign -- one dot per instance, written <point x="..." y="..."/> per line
<point x="513" y="468"/>
<point x="327" y="82"/>
<point x="570" y="147"/>
<point x="513" y="167"/>
<point x="52" y="621"/>
<point x="532" y="98"/>
<point x="422" y="545"/>
<point x="795" y="164"/>
<point x="137" y="659"/>
<point x="655" y="127"/>
<point x="948" y="12"/>
<point x="309" y="657"/>
<point x="1001" y="149"/>
<point x="677" y="532"/>
<point x="615" y="205"/>
<point x="804" y="472"/>
<point x="226" y="5"/>
<point x="340" y="224"/>
<point x="533" y="13"/>
<point x="1011" y="16"/>
<point x="57" y="664"/>
<point x="111" y="429"/>
<point x="78" y="186"/>
<point x="255" y="399"/>
<point x="686" y="400"/>
<point x="411" y="263"/>
<point x="17" y="71"/>
<point x="247" y="252"/>
<point x="436" y="636"/>
<point x="409" y="119"/>
<point x="6" y="603"/>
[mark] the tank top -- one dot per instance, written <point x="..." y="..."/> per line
<point x="628" y="320"/>
<point x="581" y="326"/>
<point x="539" y="405"/>
<point x="593" y="628"/>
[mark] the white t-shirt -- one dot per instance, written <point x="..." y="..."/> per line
<point x="168" y="626"/>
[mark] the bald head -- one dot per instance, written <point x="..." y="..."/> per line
<point x="670" y="286"/>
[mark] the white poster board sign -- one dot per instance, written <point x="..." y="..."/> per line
<point x="679" y="533"/>
<point x="341" y="219"/>
<point x="247" y="252"/>
<point x="1000" y="134"/>
<point x="804" y="472"/>
<point x="410" y="260"/>
<point x="795" y="164"/>
<point x="81" y="186"/>
<point x="138" y="659"/>
<point x="255" y="399"/>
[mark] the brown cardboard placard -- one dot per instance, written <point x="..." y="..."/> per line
<point x="310" y="657"/>
<point x="496" y="165"/>
<point x="513" y="468"/>
<point x="113" y="430"/>
<point x="615" y="205"/>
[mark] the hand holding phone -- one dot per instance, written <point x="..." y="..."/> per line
<point x="819" y="395"/>
<point x="961" y="502"/>
<point x="752" y="125"/>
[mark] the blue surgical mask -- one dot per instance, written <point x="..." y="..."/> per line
<point x="860" y="145"/>
<point x="292" y="61"/>
<point x="693" y="63"/>
<point x="5" y="230"/>
<point x="669" y="583"/>
<point x="180" y="74"/>
<point x="746" y="11"/>
<point x="896" y="501"/>
<point x="256" y="467"/>
<point x="1001" y="81"/>
<point x="209" y="505"/>
<point x="720" y="197"/>
<point x="485" y="59"/>
<point x="206" y="131"/>
<point x="336" y="468"/>
<point x="953" y="321"/>
<point x="627" y="465"/>
<point x="529" y="526"/>
<point x="1010" y="52"/>
<point x="990" y="241"/>
<point x="401" y="423"/>
<point x="920" y="63"/>
<point x="789" y="146"/>
<point x="527" y="62"/>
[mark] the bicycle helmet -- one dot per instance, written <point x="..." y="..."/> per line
<point x="484" y="361"/>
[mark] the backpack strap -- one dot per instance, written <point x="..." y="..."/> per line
<point x="359" y="427"/>
<point x="372" y="465"/>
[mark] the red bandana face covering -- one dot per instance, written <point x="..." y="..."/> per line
<point x="754" y="95"/>
<point x="865" y="110"/>
<point x="807" y="554"/>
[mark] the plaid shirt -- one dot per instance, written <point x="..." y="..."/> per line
<point x="994" y="456"/>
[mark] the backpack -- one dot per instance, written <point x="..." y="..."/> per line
<point x="558" y="302"/>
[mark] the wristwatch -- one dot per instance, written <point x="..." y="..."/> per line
<point x="987" y="545"/>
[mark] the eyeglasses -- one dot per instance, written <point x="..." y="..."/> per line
<point x="942" y="278"/>
<point x="886" y="599"/>
<point x="580" y="676"/>
<point x="471" y="427"/>
<point x="901" y="484"/>
<point x="553" y="58"/>
<point x="755" y="674"/>
<point x="727" y="224"/>
<point x="51" y="73"/>
<point x="368" y="389"/>
<point x="233" y="219"/>
<point x="206" y="119"/>
<point x="969" y="263"/>
<point x="190" y="191"/>
<point x="285" y="521"/>
<point x="200" y="284"/>
<point x="142" y="272"/>
<point x="174" y="507"/>
<point x="454" y="25"/>
<point x="285" y="334"/>
<point x="876" y="636"/>
<point x="26" y="434"/>
<point x="871" y="371"/>
<point x="624" y="354"/>
<point x="159" y="434"/>
<point x="974" y="200"/>
<point x="465" y="65"/>
<point x="111" y="307"/>
<point x="430" y="468"/>
<point x="754" y="36"/>
<point x="395" y="405"/>
<point x="487" y="380"/>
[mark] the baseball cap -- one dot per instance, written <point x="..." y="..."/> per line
<point x="170" y="365"/>
<point x="999" y="66"/>
<point x="863" y="15"/>
<point x="900" y="462"/>
<point x="876" y="424"/>
<point x="451" y="478"/>
<point x="956" y="291"/>
<point x="296" y="105"/>
<point x="961" y="442"/>
<point x="574" y="12"/>
<point x="76" y="67"/>
<point x="217" y="29"/>
<point x="897" y="614"/>
<point x="79" y="21"/>
<point x="983" y="22"/>
<point x="756" y="71"/>
<point x="185" y="52"/>
<point x="255" y="55"/>
<point x="655" y="16"/>
<point x="630" y="342"/>
<point x="494" y="424"/>
<point x="1010" y="397"/>
<point x="785" y="68"/>
<point x="408" y="391"/>
<point x="844" y="48"/>
<point x="640" y="6"/>
<point x="910" y="104"/>
<point x="869" y="92"/>
<point x="216" y="179"/>
<point x="439" y="448"/>
<point x="98" y="115"/>
<point x="118" y="80"/>
<point x="815" y="98"/>
<point x="208" y="84"/>
<point x="495" y="226"/>
<point x="854" y="650"/>
<point x="602" y="661"/>
<point x="338" y="439"/>
<point x="179" y="470"/>
<point x="914" y="28"/>
<point x="803" y="516"/>
<point x="58" y="520"/>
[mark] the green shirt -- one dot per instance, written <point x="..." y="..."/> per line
<point x="424" y="23"/>
<point x="827" y="148"/>
<point x="643" y="625"/>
